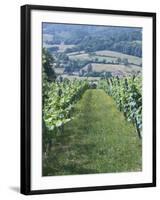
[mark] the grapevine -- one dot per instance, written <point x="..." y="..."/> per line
<point x="127" y="93"/>
<point x="58" y="103"/>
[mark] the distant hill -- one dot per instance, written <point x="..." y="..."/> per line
<point x="90" y="38"/>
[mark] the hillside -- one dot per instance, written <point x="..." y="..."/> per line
<point x="116" y="70"/>
<point x="92" y="38"/>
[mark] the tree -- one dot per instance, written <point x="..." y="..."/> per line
<point x="119" y="60"/>
<point x="82" y="72"/>
<point x="53" y="49"/>
<point x="104" y="61"/>
<point x="89" y="68"/>
<point x="91" y="54"/>
<point x="125" y="61"/>
<point x="47" y="62"/>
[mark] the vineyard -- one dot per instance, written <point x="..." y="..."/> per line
<point x="81" y="118"/>
<point x="127" y="93"/>
<point x="91" y="99"/>
<point x="59" y="101"/>
<point x="60" y="98"/>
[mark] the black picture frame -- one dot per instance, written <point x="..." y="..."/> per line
<point x="26" y="98"/>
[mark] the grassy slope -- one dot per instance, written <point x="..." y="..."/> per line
<point x="131" y="59"/>
<point x="107" y="55"/>
<point x="62" y="47"/>
<point x="99" y="67"/>
<point x="98" y="140"/>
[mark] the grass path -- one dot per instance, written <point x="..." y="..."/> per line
<point x="97" y="140"/>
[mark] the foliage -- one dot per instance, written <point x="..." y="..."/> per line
<point x="57" y="107"/>
<point x="53" y="49"/>
<point x="93" y="38"/>
<point x="97" y="140"/>
<point x="47" y="62"/>
<point x="127" y="93"/>
<point x="97" y="74"/>
<point x="97" y="44"/>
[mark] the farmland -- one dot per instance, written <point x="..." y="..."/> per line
<point x="131" y="59"/>
<point x="91" y="99"/>
<point x="72" y="57"/>
<point x="90" y="145"/>
<point x="101" y="61"/>
<point x="61" y="47"/>
<point x="110" y="56"/>
<point x="114" y="68"/>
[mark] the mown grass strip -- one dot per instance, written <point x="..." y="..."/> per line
<point x="97" y="140"/>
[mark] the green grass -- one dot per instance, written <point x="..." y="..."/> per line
<point x="73" y="77"/>
<point x="113" y="54"/>
<point x="109" y="56"/>
<point x="81" y="56"/>
<point x="62" y="47"/>
<point x="97" y="140"/>
<point x="100" y="67"/>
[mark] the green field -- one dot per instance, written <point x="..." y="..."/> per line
<point x="86" y="56"/>
<point x="97" y="140"/>
<point x="62" y="47"/>
<point x="47" y="37"/>
<point x="73" y="77"/>
<point x="80" y="56"/>
<point x="108" y="56"/>
<point x="114" y="68"/>
<point x="112" y="54"/>
<point x="59" y="70"/>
